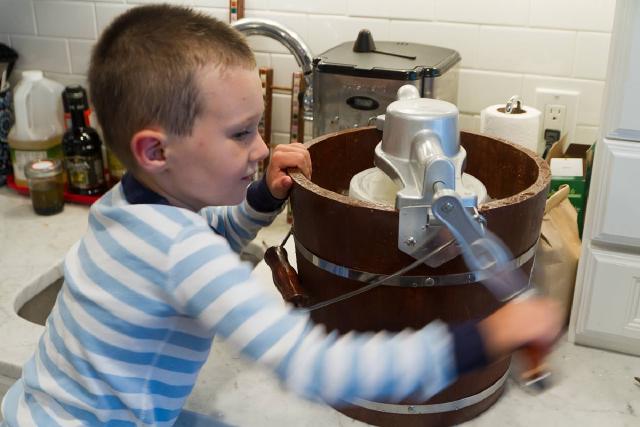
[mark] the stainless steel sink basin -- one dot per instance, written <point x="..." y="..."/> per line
<point x="36" y="299"/>
<point x="37" y="309"/>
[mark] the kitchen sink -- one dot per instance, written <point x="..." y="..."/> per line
<point x="37" y="309"/>
<point x="36" y="299"/>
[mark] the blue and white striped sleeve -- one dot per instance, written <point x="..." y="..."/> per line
<point x="213" y="286"/>
<point x="239" y="224"/>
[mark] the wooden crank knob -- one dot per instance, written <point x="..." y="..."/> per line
<point x="285" y="277"/>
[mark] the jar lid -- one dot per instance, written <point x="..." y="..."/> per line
<point x="45" y="168"/>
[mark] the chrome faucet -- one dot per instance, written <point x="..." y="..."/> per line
<point x="293" y="42"/>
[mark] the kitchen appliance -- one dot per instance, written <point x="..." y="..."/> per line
<point x="352" y="83"/>
<point x="352" y="260"/>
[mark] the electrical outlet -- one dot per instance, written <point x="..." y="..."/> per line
<point x="554" y="117"/>
<point x="559" y="110"/>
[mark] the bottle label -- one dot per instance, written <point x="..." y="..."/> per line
<point x="85" y="172"/>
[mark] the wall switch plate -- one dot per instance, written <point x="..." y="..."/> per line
<point x="559" y="110"/>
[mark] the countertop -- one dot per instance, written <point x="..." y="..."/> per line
<point x="591" y="387"/>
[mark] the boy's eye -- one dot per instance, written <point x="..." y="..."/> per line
<point x="242" y="134"/>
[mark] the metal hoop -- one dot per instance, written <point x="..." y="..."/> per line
<point x="435" y="408"/>
<point x="407" y="281"/>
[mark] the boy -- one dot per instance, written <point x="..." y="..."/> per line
<point x="157" y="274"/>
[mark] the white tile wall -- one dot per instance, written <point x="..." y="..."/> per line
<point x="65" y="19"/>
<point x="508" y="46"/>
<point x="80" y="51"/>
<point x="591" y="15"/>
<point x="330" y="7"/>
<point x="468" y="122"/>
<point x="325" y="32"/>
<point x="255" y="4"/>
<point x="590" y="47"/>
<point x="68" y="79"/>
<point x="587" y="134"/>
<point x="479" y="89"/>
<point x="263" y="59"/>
<point x="17" y="17"/>
<point x="280" y="122"/>
<point x="43" y="53"/>
<point x="295" y="22"/>
<point x="284" y="65"/>
<point x="506" y="12"/>
<point x="526" y="50"/>
<point x="287" y="5"/>
<point x="589" y="104"/>
<point x="407" y="9"/>
<point x="460" y="37"/>
<point x="212" y="3"/>
<point x="218" y="13"/>
<point x="106" y="12"/>
<point x="280" y="138"/>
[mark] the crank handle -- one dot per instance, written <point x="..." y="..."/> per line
<point x="480" y="251"/>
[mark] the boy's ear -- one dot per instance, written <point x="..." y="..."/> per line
<point x="147" y="147"/>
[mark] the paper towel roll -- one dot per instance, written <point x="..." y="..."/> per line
<point x="520" y="128"/>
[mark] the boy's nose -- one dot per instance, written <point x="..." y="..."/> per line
<point x="261" y="151"/>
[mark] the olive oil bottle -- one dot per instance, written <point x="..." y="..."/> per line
<point x="82" y="146"/>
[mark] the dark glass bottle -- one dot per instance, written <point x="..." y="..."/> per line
<point x="82" y="146"/>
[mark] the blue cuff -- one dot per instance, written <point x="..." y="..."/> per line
<point x="468" y="347"/>
<point x="260" y="198"/>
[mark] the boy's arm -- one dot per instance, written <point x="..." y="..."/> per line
<point x="211" y="285"/>
<point x="240" y="224"/>
<point x="265" y="198"/>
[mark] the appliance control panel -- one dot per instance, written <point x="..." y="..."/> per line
<point x="346" y="102"/>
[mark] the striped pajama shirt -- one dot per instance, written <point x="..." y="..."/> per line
<point x="146" y="290"/>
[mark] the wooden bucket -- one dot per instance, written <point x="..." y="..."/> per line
<point x="332" y="229"/>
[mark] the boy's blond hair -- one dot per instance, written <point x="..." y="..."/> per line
<point x="144" y="68"/>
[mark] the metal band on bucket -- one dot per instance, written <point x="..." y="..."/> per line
<point x="408" y="281"/>
<point x="435" y="408"/>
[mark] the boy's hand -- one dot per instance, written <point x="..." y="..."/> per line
<point x="284" y="156"/>
<point x="535" y="321"/>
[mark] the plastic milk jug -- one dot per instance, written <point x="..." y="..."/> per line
<point x="37" y="132"/>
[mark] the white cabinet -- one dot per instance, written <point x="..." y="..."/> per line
<point x="616" y="196"/>
<point x="610" y="301"/>
<point x="606" y="304"/>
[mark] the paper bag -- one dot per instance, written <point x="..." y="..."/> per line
<point x="556" y="263"/>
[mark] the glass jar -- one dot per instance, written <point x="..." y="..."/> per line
<point x="46" y="185"/>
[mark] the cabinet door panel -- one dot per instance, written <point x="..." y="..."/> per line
<point x="609" y="312"/>
<point x="616" y="198"/>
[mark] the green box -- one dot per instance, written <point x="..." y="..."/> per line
<point x="577" y="184"/>
<point x="580" y="221"/>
